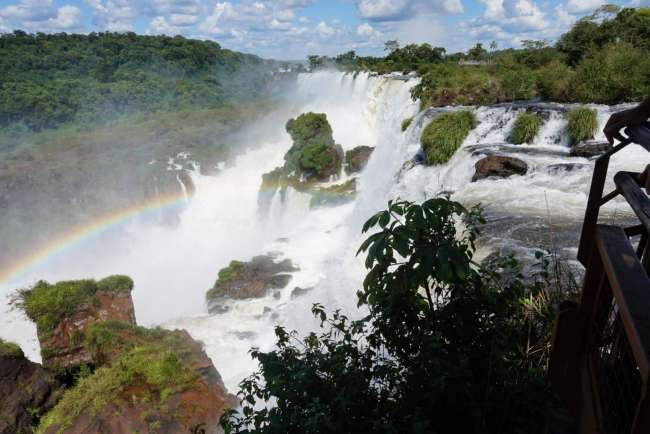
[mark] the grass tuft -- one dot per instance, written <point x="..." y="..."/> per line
<point x="526" y="128"/>
<point x="407" y="123"/>
<point x="444" y="135"/>
<point x="582" y="124"/>
<point x="10" y="349"/>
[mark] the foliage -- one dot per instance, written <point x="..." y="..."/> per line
<point x="612" y="74"/>
<point x="582" y="123"/>
<point x="50" y="79"/>
<point x="444" y="135"/>
<point x="310" y="128"/>
<point x="153" y="371"/>
<point x="406" y="123"/>
<point x="316" y="157"/>
<point x="555" y="81"/>
<point x="525" y="129"/>
<point x="10" y="349"/>
<point x="46" y="304"/>
<point x="447" y="345"/>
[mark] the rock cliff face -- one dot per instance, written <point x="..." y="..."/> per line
<point x="155" y="380"/>
<point x="26" y="390"/>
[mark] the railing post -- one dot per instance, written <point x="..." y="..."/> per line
<point x="593" y="206"/>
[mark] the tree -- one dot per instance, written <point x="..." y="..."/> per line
<point x="391" y="45"/>
<point x="447" y="345"/>
<point x="477" y="53"/>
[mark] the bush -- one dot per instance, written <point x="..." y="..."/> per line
<point x="554" y="81"/>
<point x="446" y="346"/>
<point x="116" y="283"/>
<point x="316" y="157"/>
<point x="582" y="123"/>
<point x="10" y="349"/>
<point x="444" y="135"/>
<point x="310" y="128"/>
<point x="525" y="129"/>
<point x="406" y="123"/>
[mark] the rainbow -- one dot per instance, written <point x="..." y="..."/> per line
<point x="81" y="233"/>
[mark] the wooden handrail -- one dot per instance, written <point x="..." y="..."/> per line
<point x="630" y="286"/>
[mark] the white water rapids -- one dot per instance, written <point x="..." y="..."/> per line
<point x="173" y="267"/>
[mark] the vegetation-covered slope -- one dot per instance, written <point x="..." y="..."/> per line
<point x="52" y="79"/>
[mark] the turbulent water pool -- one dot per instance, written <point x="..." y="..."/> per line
<point x="174" y="266"/>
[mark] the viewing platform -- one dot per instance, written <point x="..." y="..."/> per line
<point x="600" y="353"/>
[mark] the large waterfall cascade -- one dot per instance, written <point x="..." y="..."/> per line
<point x="174" y="266"/>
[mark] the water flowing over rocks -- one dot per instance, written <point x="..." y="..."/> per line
<point x="499" y="166"/>
<point x="253" y="279"/>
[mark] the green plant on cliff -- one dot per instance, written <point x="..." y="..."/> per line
<point x="407" y="123"/>
<point x="525" y="129"/>
<point x="316" y="157"/>
<point x="444" y="344"/>
<point x="10" y="349"/>
<point x="46" y="304"/>
<point x="153" y="371"/>
<point x="582" y="123"/>
<point x="444" y="135"/>
<point x="310" y="128"/>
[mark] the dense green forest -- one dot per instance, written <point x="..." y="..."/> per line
<point x="50" y="79"/>
<point x="604" y="58"/>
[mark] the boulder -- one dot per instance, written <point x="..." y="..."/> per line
<point x="155" y="380"/>
<point x="64" y="311"/>
<point x="299" y="292"/>
<point x="499" y="166"/>
<point x="590" y="148"/>
<point x="27" y="391"/>
<point x="357" y="158"/>
<point x="253" y="279"/>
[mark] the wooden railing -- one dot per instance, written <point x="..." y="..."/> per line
<point x="600" y="356"/>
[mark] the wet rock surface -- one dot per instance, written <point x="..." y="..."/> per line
<point x="27" y="391"/>
<point x="499" y="166"/>
<point x="357" y="158"/>
<point x="252" y="279"/>
<point x="590" y="148"/>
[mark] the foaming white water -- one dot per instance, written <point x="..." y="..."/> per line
<point x="173" y="267"/>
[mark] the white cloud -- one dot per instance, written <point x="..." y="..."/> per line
<point x="324" y="30"/>
<point x="183" y="19"/>
<point x="285" y="15"/>
<point x="29" y="10"/>
<point x="160" y="26"/>
<point x="113" y="15"/>
<point x="221" y="12"/>
<point x="365" y="29"/>
<point x="67" y="17"/>
<point x="183" y="7"/>
<point x="583" y="6"/>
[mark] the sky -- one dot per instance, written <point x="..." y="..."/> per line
<point x="293" y="29"/>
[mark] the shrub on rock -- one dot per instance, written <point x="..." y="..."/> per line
<point x="407" y="123"/>
<point x="526" y="128"/>
<point x="444" y="135"/>
<point x="357" y="158"/>
<point x="582" y="123"/>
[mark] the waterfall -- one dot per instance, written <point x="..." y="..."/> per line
<point x="173" y="267"/>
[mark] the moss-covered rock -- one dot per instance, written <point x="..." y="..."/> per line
<point x="357" y="158"/>
<point x="10" y="349"/>
<point x="525" y="128"/>
<point x="64" y="310"/>
<point x="335" y="194"/>
<point x="582" y="123"/>
<point x="406" y="123"/>
<point x="252" y="279"/>
<point x="155" y="380"/>
<point x="444" y="135"/>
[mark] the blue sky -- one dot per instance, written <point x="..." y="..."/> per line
<point x="292" y="29"/>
